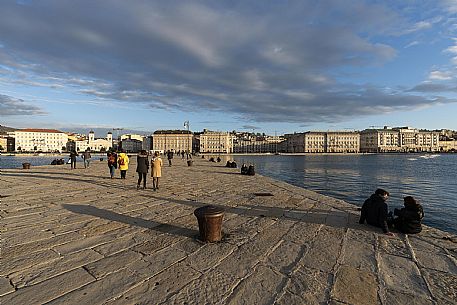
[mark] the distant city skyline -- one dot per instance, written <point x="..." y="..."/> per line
<point x="250" y="66"/>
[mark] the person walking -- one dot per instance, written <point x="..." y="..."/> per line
<point x="169" y="157"/>
<point x="156" y="170"/>
<point x="375" y="211"/>
<point x="112" y="163"/>
<point x="123" y="161"/>
<point x="86" y="157"/>
<point x="73" y="155"/>
<point x="142" y="167"/>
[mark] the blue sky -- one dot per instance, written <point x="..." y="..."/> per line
<point x="261" y="66"/>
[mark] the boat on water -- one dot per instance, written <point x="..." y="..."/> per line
<point x="429" y="156"/>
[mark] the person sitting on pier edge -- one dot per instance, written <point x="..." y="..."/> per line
<point x="142" y="167"/>
<point x="123" y="161"/>
<point x="410" y="217"/>
<point x="375" y="210"/>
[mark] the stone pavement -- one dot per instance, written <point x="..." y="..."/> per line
<point x="78" y="237"/>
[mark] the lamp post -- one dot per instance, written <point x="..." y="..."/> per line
<point x="186" y="124"/>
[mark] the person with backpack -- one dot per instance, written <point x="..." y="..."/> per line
<point x="123" y="161"/>
<point x="410" y="217"/>
<point x="112" y="163"/>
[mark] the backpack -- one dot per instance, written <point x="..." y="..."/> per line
<point x="121" y="161"/>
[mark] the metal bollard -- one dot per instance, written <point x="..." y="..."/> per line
<point x="26" y="165"/>
<point x="209" y="223"/>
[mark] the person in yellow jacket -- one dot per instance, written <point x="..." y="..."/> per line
<point x="123" y="161"/>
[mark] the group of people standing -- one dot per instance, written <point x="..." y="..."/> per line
<point x="376" y="213"/>
<point x="86" y="156"/>
<point x="142" y="168"/>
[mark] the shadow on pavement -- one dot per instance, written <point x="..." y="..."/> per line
<point x="109" y="215"/>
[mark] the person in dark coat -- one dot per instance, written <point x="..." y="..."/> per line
<point x="375" y="210"/>
<point x="410" y="217"/>
<point x="169" y="157"/>
<point x="73" y="155"/>
<point x="142" y="167"/>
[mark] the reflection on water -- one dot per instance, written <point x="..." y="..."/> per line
<point x="354" y="177"/>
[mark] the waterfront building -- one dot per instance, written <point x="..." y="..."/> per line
<point x="39" y="140"/>
<point x="257" y="144"/>
<point x="132" y="137"/>
<point x="448" y="145"/>
<point x="216" y="142"/>
<point x="131" y="145"/>
<point x="82" y="143"/>
<point x="147" y="143"/>
<point x="294" y="143"/>
<point x="176" y="140"/>
<point x="399" y="139"/>
<point x="3" y="143"/>
<point x="322" y="142"/>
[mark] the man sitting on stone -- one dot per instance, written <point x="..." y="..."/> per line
<point x="375" y="211"/>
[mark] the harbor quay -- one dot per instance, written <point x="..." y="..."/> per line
<point x="79" y="237"/>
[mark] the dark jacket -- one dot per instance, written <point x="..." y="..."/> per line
<point x="409" y="219"/>
<point x="73" y="155"/>
<point x="142" y="162"/>
<point x="374" y="211"/>
<point x="170" y="155"/>
<point x="86" y="155"/>
<point x="112" y="159"/>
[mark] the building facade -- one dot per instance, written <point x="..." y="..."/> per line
<point x="449" y="145"/>
<point x="176" y="140"/>
<point x="216" y="142"/>
<point x="131" y="145"/>
<point x="82" y="143"/>
<point x="399" y="139"/>
<point x="39" y="140"/>
<point x="257" y="144"/>
<point x="3" y="143"/>
<point x="322" y="142"/>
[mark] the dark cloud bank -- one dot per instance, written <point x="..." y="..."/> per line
<point x="264" y="61"/>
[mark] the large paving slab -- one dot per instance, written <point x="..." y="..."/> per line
<point x="79" y="237"/>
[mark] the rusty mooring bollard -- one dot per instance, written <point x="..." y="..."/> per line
<point x="26" y="165"/>
<point x="209" y="223"/>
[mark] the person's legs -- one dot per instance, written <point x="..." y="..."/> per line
<point x="140" y="175"/>
<point x="157" y="182"/>
<point x="73" y="163"/>
<point x="154" y="181"/>
<point x="111" y="171"/>
<point x="88" y="162"/>
<point x="144" y="180"/>
<point x="123" y="172"/>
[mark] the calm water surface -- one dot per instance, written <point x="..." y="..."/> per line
<point x="354" y="177"/>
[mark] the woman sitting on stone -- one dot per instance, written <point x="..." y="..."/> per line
<point x="410" y="217"/>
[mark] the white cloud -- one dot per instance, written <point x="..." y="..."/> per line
<point x="440" y="75"/>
